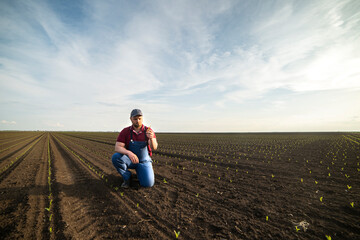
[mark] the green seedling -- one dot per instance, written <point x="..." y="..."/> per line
<point x="352" y="204"/>
<point x="177" y="234"/>
<point x="316" y="182"/>
<point x="302" y="180"/>
<point x="349" y="187"/>
<point x="272" y="175"/>
<point x="328" y="237"/>
<point x="321" y="199"/>
<point x="197" y="195"/>
<point x="347" y="176"/>
<point x="164" y="180"/>
<point x="297" y="229"/>
<point x="267" y="218"/>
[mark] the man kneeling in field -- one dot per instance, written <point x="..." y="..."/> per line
<point x="133" y="151"/>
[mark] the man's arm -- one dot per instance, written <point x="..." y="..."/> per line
<point x="120" y="148"/>
<point x="152" y="140"/>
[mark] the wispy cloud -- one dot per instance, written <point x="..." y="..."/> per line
<point x="99" y="57"/>
<point x="8" y="122"/>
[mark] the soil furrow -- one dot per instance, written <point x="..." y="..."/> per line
<point x="148" y="218"/>
<point x="11" y="164"/>
<point x="94" y="206"/>
<point x="21" y="196"/>
<point x="11" y="152"/>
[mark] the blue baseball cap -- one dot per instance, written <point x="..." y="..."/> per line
<point x="136" y="112"/>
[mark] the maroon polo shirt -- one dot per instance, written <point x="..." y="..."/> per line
<point x="124" y="136"/>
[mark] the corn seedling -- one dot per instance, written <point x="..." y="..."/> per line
<point x="321" y="199"/>
<point x="328" y="237"/>
<point x="164" y="180"/>
<point x="349" y="187"/>
<point x="177" y="234"/>
<point x="352" y="204"/>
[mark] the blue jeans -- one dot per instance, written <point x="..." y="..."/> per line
<point x="144" y="170"/>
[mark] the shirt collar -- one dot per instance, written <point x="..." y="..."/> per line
<point x="141" y="129"/>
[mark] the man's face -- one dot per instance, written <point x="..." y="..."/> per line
<point x="137" y="121"/>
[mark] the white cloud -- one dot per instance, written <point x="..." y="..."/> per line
<point x="8" y="122"/>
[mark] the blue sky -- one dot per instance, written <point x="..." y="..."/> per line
<point x="198" y="66"/>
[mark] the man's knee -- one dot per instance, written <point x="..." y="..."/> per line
<point x="118" y="161"/>
<point x="149" y="182"/>
<point x="146" y="175"/>
<point x="115" y="158"/>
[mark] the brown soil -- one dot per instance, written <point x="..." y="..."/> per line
<point x="208" y="186"/>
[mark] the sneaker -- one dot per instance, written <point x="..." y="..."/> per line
<point x="126" y="184"/>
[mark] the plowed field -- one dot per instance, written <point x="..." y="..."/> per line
<point x="62" y="185"/>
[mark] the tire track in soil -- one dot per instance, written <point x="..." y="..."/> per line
<point x="22" y="196"/>
<point x="10" y="166"/>
<point x="5" y="155"/>
<point x="88" y="210"/>
<point x="90" y="139"/>
<point x="13" y="137"/>
<point x="3" y="147"/>
<point x="151" y="208"/>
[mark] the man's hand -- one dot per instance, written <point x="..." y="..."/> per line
<point x="150" y="133"/>
<point x="134" y="159"/>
